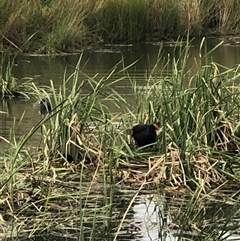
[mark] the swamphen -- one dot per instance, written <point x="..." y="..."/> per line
<point x="145" y="134"/>
<point x="45" y="106"/>
<point x="68" y="157"/>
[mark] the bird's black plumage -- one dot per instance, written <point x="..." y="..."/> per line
<point x="45" y="106"/>
<point x="68" y="157"/>
<point x="145" y="134"/>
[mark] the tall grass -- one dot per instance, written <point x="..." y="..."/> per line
<point x="197" y="148"/>
<point x="199" y="115"/>
<point x="80" y="125"/>
<point x="9" y="85"/>
<point x="220" y="15"/>
<point x="50" y="27"/>
<point x="115" y="24"/>
<point x="7" y="81"/>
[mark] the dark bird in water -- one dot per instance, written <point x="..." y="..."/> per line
<point x="145" y="134"/>
<point x="45" y="106"/>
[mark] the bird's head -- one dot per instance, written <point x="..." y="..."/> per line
<point x="156" y="126"/>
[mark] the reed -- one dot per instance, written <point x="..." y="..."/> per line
<point x="81" y="125"/>
<point x="7" y="81"/>
<point x="201" y="216"/>
<point x="9" y="85"/>
<point x="50" y="27"/>
<point x="114" y="24"/>
<point x="198" y="111"/>
<point x="199" y="114"/>
<point x="220" y="17"/>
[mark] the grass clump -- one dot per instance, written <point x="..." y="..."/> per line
<point x="199" y="113"/>
<point x="49" y="27"/>
<point x="9" y="85"/>
<point x="221" y="15"/>
<point x="115" y="22"/>
<point x="37" y="185"/>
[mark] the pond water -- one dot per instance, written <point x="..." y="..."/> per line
<point x="149" y="218"/>
<point x="98" y="63"/>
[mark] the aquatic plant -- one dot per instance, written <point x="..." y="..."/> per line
<point x="46" y="26"/>
<point x="7" y="81"/>
<point x="9" y="85"/>
<point x="197" y="108"/>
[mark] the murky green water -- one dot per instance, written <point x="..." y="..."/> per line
<point x="97" y="63"/>
<point x="151" y="217"/>
<point x="155" y="217"/>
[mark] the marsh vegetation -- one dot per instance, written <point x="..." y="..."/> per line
<point x="93" y="195"/>
<point x="59" y="26"/>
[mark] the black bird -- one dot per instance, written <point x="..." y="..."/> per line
<point x="45" y="106"/>
<point x="145" y="134"/>
<point x="68" y="157"/>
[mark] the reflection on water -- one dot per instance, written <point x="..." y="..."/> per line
<point x="161" y="219"/>
<point x="19" y="117"/>
<point x="100" y="63"/>
<point x="151" y="217"/>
